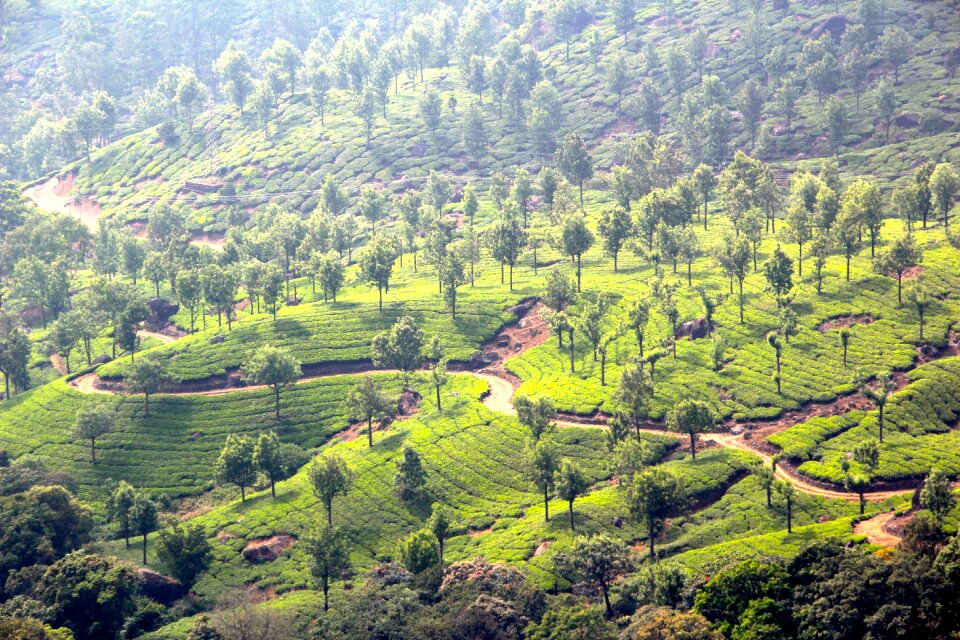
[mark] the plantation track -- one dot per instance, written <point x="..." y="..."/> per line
<point x="876" y="532"/>
<point x="503" y="385"/>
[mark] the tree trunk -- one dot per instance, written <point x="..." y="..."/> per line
<point x="438" y="397"/>
<point x="144" y="548"/>
<point x="276" y="401"/>
<point x="650" y="537"/>
<point x="546" y="506"/>
<point x="370" y="431"/>
<point x="93" y="451"/>
<point x="570" y="504"/>
<point x="330" y="513"/>
<point x="693" y="445"/>
<point x="571" y="352"/>
<point x="578" y="273"/>
<point x="146" y="405"/>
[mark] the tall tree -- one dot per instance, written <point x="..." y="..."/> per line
<point x="367" y="401"/>
<point x="576" y="238"/>
<point x="274" y="367"/>
<point x="329" y="477"/>
<point x="598" y="559"/>
<point x="690" y="417"/>
<point x="543" y="461"/>
<point x="651" y="496"/>
<point x="94" y="419"/>
<point x="235" y="463"/>
<point x="329" y="558"/>
<point x="536" y="414"/>
<point x="571" y="483"/>
<point x="899" y="257"/>
<point x="574" y="161"/>
<point x="400" y="348"/>
<point x="147" y="376"/>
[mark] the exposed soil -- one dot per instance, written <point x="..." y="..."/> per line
<point x="56" y="195"/>
<point x="912" y="273"/>
<point x="267" y="549"/>
<point x="476" y="533"/>
<point x="842" y="322"/>
<point x="543" y="546"/>
<point x="876" y="530"/>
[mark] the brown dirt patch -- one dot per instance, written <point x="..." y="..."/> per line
<point x="224" y="536"/>
<point x="476" y="533"/>
<point x="842" y="322"/>
<point x="912" y="273"/>
<point x="876" y="530"/>
<point x="267" y="549"/>
<point x="56" y="195"/>
<point x="543" y="546"/>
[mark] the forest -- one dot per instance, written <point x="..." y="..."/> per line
<point x="479" y="319"/>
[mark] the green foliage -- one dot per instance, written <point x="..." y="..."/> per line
<point x="185" y="551"/>
<point x="419" y="551"/>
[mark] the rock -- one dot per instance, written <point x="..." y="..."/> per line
<point x="219" y="339"/>
<point x="907" y="120"/>
<point x="159" y="587"/>
<point x="267" y="549"/>
<point x="161" y="310"/>
<point x="779" y="130"/>
<point x="617" y="522"/>
<point x="694" y="329"/>
<point x="835" y="25"/>
<point x="408" y="403"/>
<point x="737" y="429"/>
<point x="101" y="359"/>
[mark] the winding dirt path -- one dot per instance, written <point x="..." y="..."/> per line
<point x="876" y="532"/>
<point x="517" y="338"/>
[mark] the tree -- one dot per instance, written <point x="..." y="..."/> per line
<point x="548" y="180"/>
<point x="330" y="477"/>
<point x="774" y="341"/>
<point x="143" y="517"/>
<point x="799" y="230"/>
<point x="507" y="239"/>
<point x="189" y="292"/>
<point x="419" y="551"/>
<point x="944" y="184"/>
<point x="234" y="67"/>
<point x="633" y="396"/>
<point x="920" y="300"/>
<point x="185" y="551"/>
<point x="428" y="105"/>
<point x="574" y="161"/>
<point x="94" y="419"/>
<point x="615" y="227"/>
<point x="844" y="335"/>
<point x="618" y="77"/>
<point x="474" y="132"/>
<point x="119" y="505"/>
<point x="147" y="376"/>
<point x="90" y="594"/>
<point x="271" y="286"/>
<point x="563" y="15"/>
<point x="705" y="181"/>
<point x="274" y="367"/>
<point x="400" y="348"/>
<point x="535" y="414"/>
<point x="652" y="495"/>
<point x="896" y="49"/>
<point x="837" y="122"/>
<point x="439" y="524"/>
<point x="373" y="207"/>
<point x="560" y="292"/>
<point x="365" y="108"/>
<point x="367" y="401"/>
<point x="597" y="560"/>
<point x="376" y="265"/>
<point x="878" y="395"/>
<point x="263" y="101"/>
<point x="329" y="557"/>
<point x="847" y="229"/>
<point x="571" y="482"/>
<point x="820" y="250"/>
<point x="410" y="479"/>
<point x="899" y="257"/>
<point x="269" y="460"/>
<point x="676" y="66"/>
<point x="691" y="417"/>
<point x="437" y="191"/>
<point x="320" y="81"/>
<point x="543" y="461"/>
<point x="62" y="338"/>
<point x="778" y="271"/>
<point x="235" y="463"/>
<point x="937" y="495"/>
<point x="750" y="101"/>
<point x="576" y="239"/>
<point x="788" y="492"/>
<point x="885" y="99"/>
<point x="734" y="257"/>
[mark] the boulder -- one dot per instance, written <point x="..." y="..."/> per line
<point x="694" y="329"/>
<point x="737" y="429"/>
<point x="834" y="25"/>
<point x="159" y="587"/>
<point x="161" y="310"/>
<point x="907" y="120"/>
<point x="103" y="358"/>
<point x="218" y="339"/>
<point x="267" y="549"/>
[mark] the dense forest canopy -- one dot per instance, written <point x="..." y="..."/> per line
<point x="516" y="319"/>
